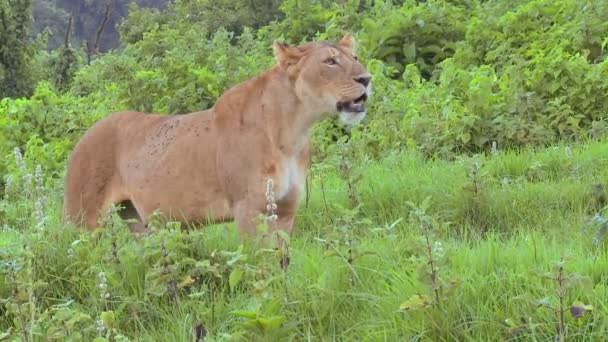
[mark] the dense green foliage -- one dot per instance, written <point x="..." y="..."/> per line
<point x="470" y="100"/>
<point x="449" y="77"/>
<point x="15" y="51"/>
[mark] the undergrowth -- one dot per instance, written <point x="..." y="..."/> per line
<point x="424" y="268"/>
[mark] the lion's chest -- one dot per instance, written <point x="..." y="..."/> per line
<point x="291" y="178"/>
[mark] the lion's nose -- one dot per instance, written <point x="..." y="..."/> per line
<point x="363" y="79"/>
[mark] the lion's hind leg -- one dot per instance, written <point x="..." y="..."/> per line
<point x="84" y="197"/>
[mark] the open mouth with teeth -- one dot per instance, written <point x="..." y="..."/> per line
<point x="355" y="106"/>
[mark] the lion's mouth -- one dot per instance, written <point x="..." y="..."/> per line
<point x="355" y="106"/>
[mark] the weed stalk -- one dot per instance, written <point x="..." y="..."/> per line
<point x="12" y="275"/>
<point x="431" y="262"/>
<point x="561" y="292"/>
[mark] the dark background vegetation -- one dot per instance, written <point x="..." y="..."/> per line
<point x="52" y="16"/>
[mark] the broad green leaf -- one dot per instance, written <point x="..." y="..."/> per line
<point x="330" y="252"/>
<point x="511" y="323"/>
<point x="543" y="302"/>
<point x="409" y="51"/>
<point x="271" y="323"/>
<point x="235" y="277"/>
<point x="79" y="317"/>
<point x="465" y="137"/>
<point x="188" y="280"/>
<point x="108" y="319"/>
<point x="197" y="294"/>
<point x="283" y="235"/>
<point x="416" y="302"/>
<point x="39" y="285"/>
<point x="245" y="313"/>
<point x="7" y="335"/>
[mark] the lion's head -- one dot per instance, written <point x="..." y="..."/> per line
<point x="327" y="77"/>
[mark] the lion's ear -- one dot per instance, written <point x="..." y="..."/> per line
<point x="286" y="56"/>
<point x="348" y="42"/>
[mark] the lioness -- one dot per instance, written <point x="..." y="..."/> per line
<point x="214" y="165"/>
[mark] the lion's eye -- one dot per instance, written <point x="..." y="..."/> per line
<point x="331" y="61"/>
<point x="356" y="58"/>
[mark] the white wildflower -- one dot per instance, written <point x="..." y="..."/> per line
<point x="40" y="200"/>
<point x="568" y="151"/>
<point x="101" y="328"/>
<point x="271" y="206"/>
<point x="19" y="160"/>
<point x="103" y="286"/>
<point x="438" y="249"/>
<point x="27" y="182"/>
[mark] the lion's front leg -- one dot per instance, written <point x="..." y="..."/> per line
<point x="247" y="216"/>
<point x="285" y="222"/>
<point x="286" y="215"/>
<point x="247" y="213"/>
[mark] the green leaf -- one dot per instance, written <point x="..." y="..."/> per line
<point x="197" y="295"/>
<point x="7" y="335"/>
<point x="271" y="323"/>
<point x="544" y="302"/>
<point x="511" y="323"/>
<point x="409" y="51"/>
<point x="39" y="285"/>
<point x="283" y="235"/>
<point x="78" y="318"/>
<point x="416" y="302"/>
<point x="245" y="313"/>
<point x="188" y="280"/>
<point x="235" y="277"/>
<point x="330" y="252"/>
<point x="108" y="319"/>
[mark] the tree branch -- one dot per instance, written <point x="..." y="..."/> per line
<point x="104" y="21"/>
<point x="102" y="25"/>
<point x="68" y="31"/>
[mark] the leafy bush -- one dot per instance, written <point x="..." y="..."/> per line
<point x="449" y="76"/>
<point x="46" y="126"/>
<point x="16" y="50"/>
<point x="172" y="72"/>
<point x="423" y="34"/>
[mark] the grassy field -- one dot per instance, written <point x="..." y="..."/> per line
<point x="502" y="249"/>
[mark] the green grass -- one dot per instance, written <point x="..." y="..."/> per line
<point x="6" y="238"/>
<point x="507" y="226"/>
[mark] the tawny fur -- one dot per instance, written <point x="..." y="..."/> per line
<point x="213" y="165"/>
